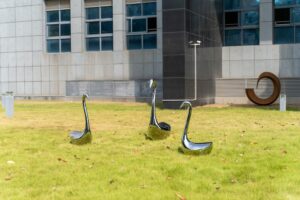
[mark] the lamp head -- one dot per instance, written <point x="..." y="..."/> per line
<point x="153" y="84"/>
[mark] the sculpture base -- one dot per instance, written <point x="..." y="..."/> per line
<point x="85" y="139"/>
<point x="155" y="133"/>
<point x="186" y="151"/>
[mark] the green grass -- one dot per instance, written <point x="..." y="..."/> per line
<point x="255" y="156"/>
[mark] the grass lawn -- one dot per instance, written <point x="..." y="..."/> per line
<point x="256" y="154"/>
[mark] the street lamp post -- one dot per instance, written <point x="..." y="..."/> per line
<point x="195" y="45"/>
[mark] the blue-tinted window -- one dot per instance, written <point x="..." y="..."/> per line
<point x="250" y="18"/>
<point x="284" y="2"/>
<point x="53" y="46"/>
<point x="149" y="8"/>
<point x="134" y="10"/>
<point x="53" y="16"/>
<point x="53" y="30"/>
<point x="129" y="25"/>
<point x="65" y="15"/>
<point x="93" y="44"/>
<point x="283" y="35"/>
<point x="65" y="45"/>
<point x="250" y="37"/>
<point x="248" y="4"/>
<point x="65" y="29"/>
<point x="106" y="12"/>
<point x="232" y="37"/>
<point x="297" y="34"/>
<point x="106" y="27"/>
<point x="296" y="15"/>
<point x="107" y="43"/>
<point x="134" y="42"/>
<point x="138" y="25"/>
<point x="232" y="4"/>
<point x="92" y="13"/>
<point x="150" y="41"/>
<point x="93" y="28"/>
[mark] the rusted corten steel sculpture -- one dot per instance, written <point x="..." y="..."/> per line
<point x="276" y="91"/>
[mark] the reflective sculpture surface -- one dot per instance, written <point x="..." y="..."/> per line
<point x="276" y="91"/>
<point x="156" y="131"/>
<point x="188" y="146"/>
<point x="85" y="136"/>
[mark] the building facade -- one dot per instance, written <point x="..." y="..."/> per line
<point x="111" y="48"/>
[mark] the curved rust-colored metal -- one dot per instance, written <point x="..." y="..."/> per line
<point x="276" y="91"/>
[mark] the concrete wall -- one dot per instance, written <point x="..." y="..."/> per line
<point x="28" y="70"/>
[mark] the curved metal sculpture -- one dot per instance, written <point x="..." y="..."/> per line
<point x="276" y="91"/>
<point x="188" y="146"/>
<point x="156" y="131"/>
<point x="85" y="136"/>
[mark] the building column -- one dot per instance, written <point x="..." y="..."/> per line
<point x="266" y="22"/>
<point x="121" y="68"/>
<point x="77" y="25"/>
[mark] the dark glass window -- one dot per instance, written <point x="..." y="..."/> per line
<point x="107" y="43"/>
<point x="53" y="30"/>
<point x="58" y="31"/>
<point x="141" y="20"/>
<point x="150" y="41"/>
<point x="65" y="45"/>
<point x="134" y="42"/>
<point x="106" y="12"/>
<point x="65" y="29"/>
<point x="134" y="10"/>
<point x="107" y="27"/>
<point x="249" y="4"/>
<point x="283" y="35"/>
<point x="241" y="22"/>
<point x="297" y="34"/>
<point x="282" y="16"/>
<point x="250" y="37"/>
<point x="93" y="28"/>
<point x="138" y="25"/>
<point x="149" y="8"/>
<point x="53" y="46"/>
<point x="53" y="16"/>
<point x="99" y="28"/>
<point x="232" y="37"/>
<point x="92" y="13"/>
<point x="284" y="2"/>
<point x="152" y="24"/>
<point x="250" y="18"/>
<point x="231" y="19"/>
<point x="65" y="15"/>
<point x="296" y="15"/>
<point x="232" y="4"/>
<point x="93" y="44"/>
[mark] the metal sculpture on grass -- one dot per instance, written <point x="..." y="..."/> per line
<point x="85" y="136"/>
<point x="156" y="131"/>
<point x="276" y="91"/>
<point x="188" y="146"/>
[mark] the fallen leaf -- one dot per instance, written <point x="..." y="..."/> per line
<point x="180" y="196"/>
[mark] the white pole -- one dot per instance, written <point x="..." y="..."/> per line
<point x="195" y="47"/>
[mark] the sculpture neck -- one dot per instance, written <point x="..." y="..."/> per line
<point x="187" y="123"/>
<point x="87" y="123"/>
<point x="153" y="120"/>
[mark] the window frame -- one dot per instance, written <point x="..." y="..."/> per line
<point x="100" y="35"/>
<point x="59" y="23"/>
<point x="140" y="33"/>
<point x="241" y="27"/>
<point x="294" y="25"/>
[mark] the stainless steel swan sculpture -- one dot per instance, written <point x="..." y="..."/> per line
<point x="85" y="136"/>
<point x="188" y="146"/>
<point x="156" y="131"/>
